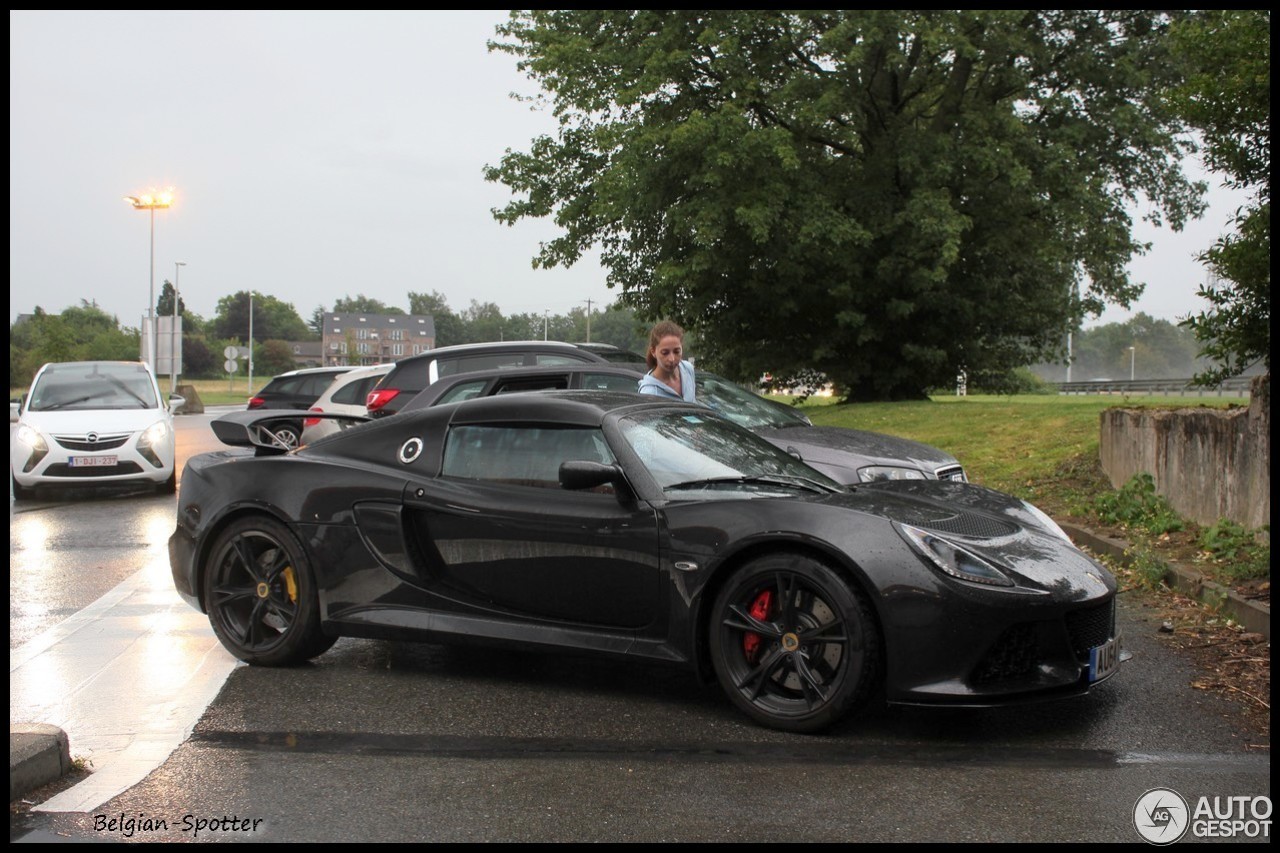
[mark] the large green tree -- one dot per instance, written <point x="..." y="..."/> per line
<point x="272" y="318"/>
<point x="1227" y="96"/>
<point x="887" y="196"/>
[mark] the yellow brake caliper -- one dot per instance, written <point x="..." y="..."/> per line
<point x="291" y="583"/>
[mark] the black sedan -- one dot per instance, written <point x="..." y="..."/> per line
<point x="597" y="522"/>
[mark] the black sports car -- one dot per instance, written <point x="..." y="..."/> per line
<point x="597" y="521"/>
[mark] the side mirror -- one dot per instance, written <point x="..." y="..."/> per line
<point x="176" y="402"/>
<point x="582" y="475"/>
<point x="796" y="453"/>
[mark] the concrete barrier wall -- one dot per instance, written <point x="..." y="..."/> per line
<point x="1209" y="463"/>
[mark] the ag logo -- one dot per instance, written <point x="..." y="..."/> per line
<point x="1161" y="816"/>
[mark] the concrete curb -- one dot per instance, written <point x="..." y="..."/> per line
<point x="38" y="754"/>
<point x="1253" y="616"/>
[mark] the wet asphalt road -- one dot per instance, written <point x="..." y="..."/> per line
<point x="382" y="741"/>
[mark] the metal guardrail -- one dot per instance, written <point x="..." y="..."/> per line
<point x="1236" y="386"/>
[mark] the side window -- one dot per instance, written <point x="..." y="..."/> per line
<point x="541" y="383"/>
<point x="462" y="391"/>
<point x="609" y="382"/>
<point x="519" y="455"/>
<point x="554" y="359"/>
<point x="317" y="384"/>
<point x="354" y="393"/>
<point x="468" y="363"/>
<point x="286" y="386"/>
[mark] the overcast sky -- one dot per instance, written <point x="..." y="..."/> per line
<point x="313" y="155"/>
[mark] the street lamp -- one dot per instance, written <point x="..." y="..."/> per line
<point x="150" y="202"/>
<point x="173" y="333"/>
<point x="1133" y="356"/>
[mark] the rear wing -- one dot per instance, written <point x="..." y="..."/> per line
<point x="257" y="428"/>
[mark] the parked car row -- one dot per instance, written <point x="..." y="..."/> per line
<point x="451" y="374"/>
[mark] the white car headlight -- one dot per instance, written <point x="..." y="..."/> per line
<point x="152" y="434"/>
<point x="872" y="473"/>
<point x="953" y="559"/>
<point x="31" y="438"/>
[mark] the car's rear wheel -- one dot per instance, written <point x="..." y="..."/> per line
<point x="261" y="595"/>
<point x="794" y="645"/>
<point x="289" y="436"/>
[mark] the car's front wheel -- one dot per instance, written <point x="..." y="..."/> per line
<point x="21" y="492"/>
<point x="261" y="596"/>
<point x="794" y="645"/>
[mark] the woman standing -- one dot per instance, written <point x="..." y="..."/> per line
<point x="669" y="376"/>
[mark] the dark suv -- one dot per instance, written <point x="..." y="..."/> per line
<point x="413" y="374"/>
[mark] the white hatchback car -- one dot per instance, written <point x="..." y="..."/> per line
<point x="345" y="396"/>
<point x="92" y="423"/>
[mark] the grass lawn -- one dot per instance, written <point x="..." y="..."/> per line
<point x="1007" y="443"/>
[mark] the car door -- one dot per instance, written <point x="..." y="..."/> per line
<point x="496" y="530"/>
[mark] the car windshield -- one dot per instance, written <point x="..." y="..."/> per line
<point x="93" y="386"/>
<point x="686" y="451"/>
<point x="744" y="408"/>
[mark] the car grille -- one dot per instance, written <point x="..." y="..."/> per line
<point x="955" y="474"/>
<point x="62" y="470"/>
<point x="1091" y="627"/>
<point x="104" y="441"/>
<point x="1015" y="655"/>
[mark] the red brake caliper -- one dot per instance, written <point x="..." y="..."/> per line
<point x="759" y="610"/>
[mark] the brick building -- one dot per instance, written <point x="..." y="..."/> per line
<point x="360" y="339"/>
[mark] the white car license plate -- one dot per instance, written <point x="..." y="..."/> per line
<point x="1104" y="660"/>
<point x="91" y="461"/>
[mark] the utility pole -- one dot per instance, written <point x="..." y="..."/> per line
<point x="588" y="321"/>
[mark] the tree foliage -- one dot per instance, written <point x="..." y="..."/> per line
<point x="82" y="332"/>
<point x="886" y="196"/>
<point x="164" y="305"/>
<point x="272" y="318"/>
<point x="1227" y="97"/>
<point x="362" y="304"/>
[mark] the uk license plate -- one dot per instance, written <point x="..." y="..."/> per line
<point x="1104" y="660"/>
<point x="92" y="461"/>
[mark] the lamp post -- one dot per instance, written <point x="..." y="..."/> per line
<point x="1133" y="358"/>
<point x="150" y="202"/>
<point x="173" y="333"/>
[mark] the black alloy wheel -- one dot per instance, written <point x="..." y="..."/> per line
<point x="794" y="645"/>
<point x="261" y="596"/>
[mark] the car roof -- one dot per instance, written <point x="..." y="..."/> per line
<point x="54" y="366"/>
<point x="442" y="386"/>
<point x="341" y="368"/>
<point x="585" y="408"/>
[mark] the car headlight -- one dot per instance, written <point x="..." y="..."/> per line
<point x="152" y="434"/>
<point x="31" y="438"/>
<point x="953" y="559"/>
<point x="1048" y="522"/>
<point x="872" y="473"/>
